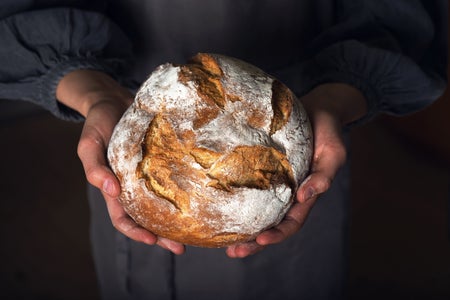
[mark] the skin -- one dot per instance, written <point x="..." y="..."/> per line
<point x="329" y="106"/>
<point x="102" y="101"/>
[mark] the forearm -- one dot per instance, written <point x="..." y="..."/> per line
<point x="83" y="89"/>
<point x="342" y="101"/>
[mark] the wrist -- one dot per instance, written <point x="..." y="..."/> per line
<point x="342" y="101"/>
<point x="83" y="89"/>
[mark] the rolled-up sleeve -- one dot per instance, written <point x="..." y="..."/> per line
<point x="395" y="52"/>
<point x="39" y="47"/>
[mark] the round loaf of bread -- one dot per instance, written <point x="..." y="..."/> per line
<point x="210" y="153"/>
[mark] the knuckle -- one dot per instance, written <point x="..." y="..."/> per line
<point x="326" y="184"/>
<point x="321" y="185"/>
<point x="92" y="176"/>
<point x="123" y="225"/>
<point x="86" y="145"/>
<point x="118" y="225"/>
<point x="340" y="153"/>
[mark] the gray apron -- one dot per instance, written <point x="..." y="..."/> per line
<point x="312" y="264"/>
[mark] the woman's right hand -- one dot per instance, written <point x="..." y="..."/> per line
<point x="102" y="101"/>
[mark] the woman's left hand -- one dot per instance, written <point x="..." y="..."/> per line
<point x="329" y="107"/>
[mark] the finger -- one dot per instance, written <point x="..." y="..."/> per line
<point x="244" y="249"/>
<point x="174" y="247"/>
<point x="124" y="224"/>
<point x="91" y="151"/>
<point x="97" y="130"/>
<point x="322" y="174"/>
<point x="292" y="222"/>
<point x="329" y="156"/>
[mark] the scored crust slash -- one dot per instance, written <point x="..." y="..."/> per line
<point x="211" y="152"/>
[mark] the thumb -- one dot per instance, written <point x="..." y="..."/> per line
<point x="92" y="149"/>
<point x="329" y="155"/>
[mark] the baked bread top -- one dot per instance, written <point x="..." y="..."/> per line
<point x="211" y="152"/>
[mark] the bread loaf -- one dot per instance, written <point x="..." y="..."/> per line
<point x="211" y="152"/>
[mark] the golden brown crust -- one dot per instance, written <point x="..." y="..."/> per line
<point x="257" y="167"/>
<point x="162" y="165"/>
<point x="282" y="102"/>
<point x="208" y="63"/>
<point x="205" y="73"/>
<point x="188" y="182"/>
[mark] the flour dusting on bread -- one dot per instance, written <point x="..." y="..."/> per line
<point x="211" y="152"/>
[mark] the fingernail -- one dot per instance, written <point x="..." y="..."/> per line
<point x="108" y="187"/>
<point x="309" y="193"/>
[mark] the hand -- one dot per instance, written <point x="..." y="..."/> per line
<point x="329" y="107"/>
<point x="102" y="101"/>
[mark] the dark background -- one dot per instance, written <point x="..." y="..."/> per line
<point x="399" y="233"/>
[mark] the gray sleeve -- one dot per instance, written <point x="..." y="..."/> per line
<point x="39" y="47"/>
<point x="395" y="52"/>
